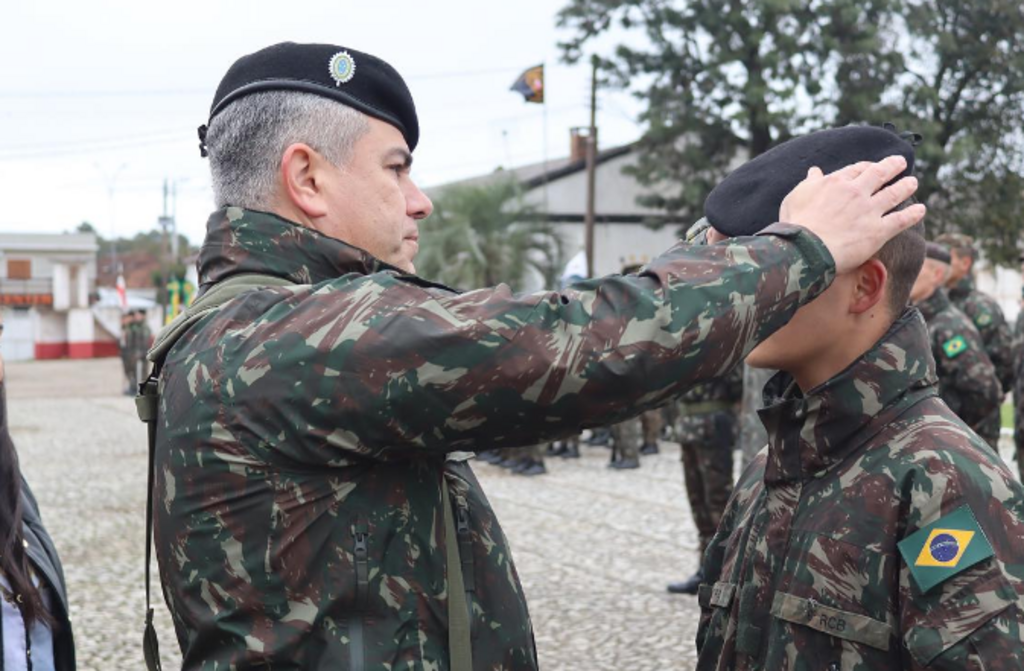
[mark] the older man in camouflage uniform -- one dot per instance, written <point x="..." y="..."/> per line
<point x="987" y="317"/>
<point x="707" y="430"/>
<point x="877" y="531"/>
<point x="967" y="379"/>
<point x="314" y="505"/>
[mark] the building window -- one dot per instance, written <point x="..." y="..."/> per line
<point x="19" y="269"/>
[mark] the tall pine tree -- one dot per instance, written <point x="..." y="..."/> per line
<point x="724" y="80"/>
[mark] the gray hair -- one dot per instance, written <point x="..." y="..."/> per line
<point x="247" y="138"/>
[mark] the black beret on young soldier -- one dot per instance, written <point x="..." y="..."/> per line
<point x="748" y="200"/>
<point x="351" y="77"/>
<point x="937" y="252"/>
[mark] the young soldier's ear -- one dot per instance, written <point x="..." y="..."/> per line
<point x="302" y="179"/>
<point x="870" y="286"/>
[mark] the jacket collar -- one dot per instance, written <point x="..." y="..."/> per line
<point x="936" y="303"/>
<point x="808" y="434"/>
<point x="242" y="241"/>
<point x="962" y="289"/>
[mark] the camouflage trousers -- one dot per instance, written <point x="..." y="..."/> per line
<point x="651" y="423"/>
<point x="707" y="441"/>
<point x="626" y="437"/>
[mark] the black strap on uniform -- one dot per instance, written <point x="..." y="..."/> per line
<point x="147" y="404"/>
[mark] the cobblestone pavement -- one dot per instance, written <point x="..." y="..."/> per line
<point x="595" y="548"/>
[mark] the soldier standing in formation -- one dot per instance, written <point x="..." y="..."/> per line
<point x="876" y="531"/>
<point x="1018" y="383"/>
<point x="707" y="429"/>
<point x="987" y="317"/>
<point x="967" y="378"/>
<point x="316" y="406"/>
<point x="135" y="341"/>
<point x="131" y="385"/>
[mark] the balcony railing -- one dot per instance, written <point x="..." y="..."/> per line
<point x="36" y="285"/>
<point x="25" y="293"/>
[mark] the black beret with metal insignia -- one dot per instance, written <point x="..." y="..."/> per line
<point x="748" y="200"/>
<point x="938" y="252"/>
<point x="351" y="77"/>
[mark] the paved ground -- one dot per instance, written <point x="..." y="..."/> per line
<point x="594" y="548"/>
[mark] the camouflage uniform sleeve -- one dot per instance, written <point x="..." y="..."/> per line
<point x="970" y="386"/>
<point x="391" y="366"/>
<point x="998" y="339"/>
<point x="974" y="619"/>
<point x="1018" y="407"/>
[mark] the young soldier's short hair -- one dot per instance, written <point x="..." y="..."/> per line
<point x="902" y="257"/>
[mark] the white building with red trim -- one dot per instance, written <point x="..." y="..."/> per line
<point x="47" y="286"/>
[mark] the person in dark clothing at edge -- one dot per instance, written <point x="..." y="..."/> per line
<point x="36" y="629"/>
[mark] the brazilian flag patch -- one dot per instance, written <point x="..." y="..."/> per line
<point x="954" y="347"/>
<point x="945" y="548"/>
<point x="983" y="319"/>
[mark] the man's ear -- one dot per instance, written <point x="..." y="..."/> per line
<point x="870" y="286"/>
<point x="302" y="179"/>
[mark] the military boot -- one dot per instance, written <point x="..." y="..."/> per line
<point x="688" y="586"/>
<point x="624" y="463"/>
<point x="649" y="448"/>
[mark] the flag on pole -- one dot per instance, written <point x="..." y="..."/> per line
<point x="122" y="292"/>
<point x="531" y="84"/>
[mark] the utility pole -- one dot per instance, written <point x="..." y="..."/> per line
<point x="588" y="219"/>
<point x="167" y="263"/>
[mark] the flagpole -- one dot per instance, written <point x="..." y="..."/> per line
<point x="544" y="104"/>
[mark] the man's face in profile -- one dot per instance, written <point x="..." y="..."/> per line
<point x="372" y="201"/>
<point x="932" y="276"/>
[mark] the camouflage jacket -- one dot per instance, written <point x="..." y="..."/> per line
<point x="804" y="571"/>
<point x="986" y="315"/>
<point x="304" y="432"/>
<point x="967" y="379"/>
<point x="728" y="388"/>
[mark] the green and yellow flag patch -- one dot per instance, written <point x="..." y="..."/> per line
<point x="945" y="548"/>
<point x="983" y="319"/>
<point x="954" y="347"/>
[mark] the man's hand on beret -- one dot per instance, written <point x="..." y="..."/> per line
<point x="848" y="212"/>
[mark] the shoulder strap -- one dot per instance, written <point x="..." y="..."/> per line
<point x="460" y="650"/>
<point x="148" y="399"/>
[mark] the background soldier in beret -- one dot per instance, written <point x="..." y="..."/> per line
<point x="314" y="504"/>
<point x="876" y="531"/>
<point x="986" y="315"/>
<point x="967" y="378"/>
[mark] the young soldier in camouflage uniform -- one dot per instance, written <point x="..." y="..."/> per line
<point x="707" y="430"/>
<point x="877" y="531"/>
<point x="967" y="379"/>
<point x="987" y="317"/>
<point x="312" y="433"/>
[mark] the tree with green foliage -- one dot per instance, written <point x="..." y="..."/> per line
<point x="726" y="80"/>
<point x="483" y="235"/>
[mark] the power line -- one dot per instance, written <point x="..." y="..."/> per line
<point x="141" y="93"/>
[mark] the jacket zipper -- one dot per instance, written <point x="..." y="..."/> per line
<point x="355" y="630"/>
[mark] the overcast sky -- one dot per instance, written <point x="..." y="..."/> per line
<point x="107" y="93"/>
